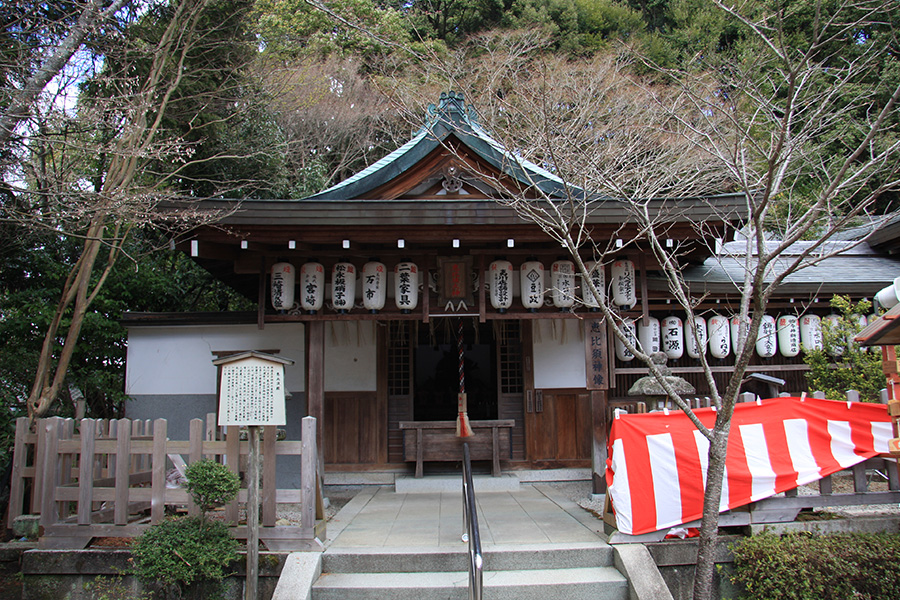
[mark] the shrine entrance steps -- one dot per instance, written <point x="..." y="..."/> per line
<point x="518" y="572"/>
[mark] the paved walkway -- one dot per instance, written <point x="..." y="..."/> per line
<point x="535" y="514"/>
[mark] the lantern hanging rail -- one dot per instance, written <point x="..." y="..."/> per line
<point x="471" y="533"/>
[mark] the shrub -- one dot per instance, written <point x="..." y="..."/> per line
<point x="211" y="484"/>
<point x="191" y="554"/>
<point x="185" y="553"/>
<point x="802" y="566"/>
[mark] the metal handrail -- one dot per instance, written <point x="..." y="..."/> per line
<point x="471" y="533"/>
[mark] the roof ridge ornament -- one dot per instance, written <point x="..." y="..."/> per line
<point x="453" y="106"/>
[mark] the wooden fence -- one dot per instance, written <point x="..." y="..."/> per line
<point x="109" y="479"/>
<point x="784" y="508"/>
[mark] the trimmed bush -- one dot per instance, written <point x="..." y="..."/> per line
<point x="185" y="554"/>
<point x="804" y="566"/>
<point x="211" y="484"/>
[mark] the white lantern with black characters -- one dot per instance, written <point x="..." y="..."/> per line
<point x="719" y="336"/>
<point x="623" y="283"/>
<point x="562" y="284"/>
<point x="343" y="286"/>
<point x="695" y="349"/>
<point x="374" y="285"/>
<point x="622" y="352"/>
<point x="598" y="278"/>
<point x="406" y="286"/>
<point x="811" y="332"/>
<point x="766" y="337"/>
<point x="500" y="277"/>
<point x="673" y="337"/>
<point x="531" y="281"/>
<point x="283" y="279"/>
<point x="649" y="334"/>
<point x="788" y="336"/>
<point x="312" y="287"/>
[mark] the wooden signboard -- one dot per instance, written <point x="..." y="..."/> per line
<point x="251" y="389"/>
<point x="596" y="353"/>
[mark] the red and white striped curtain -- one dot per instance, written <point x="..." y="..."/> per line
<point x="656" y="469"/>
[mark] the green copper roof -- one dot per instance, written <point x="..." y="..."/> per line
<point x="451" y="117"/>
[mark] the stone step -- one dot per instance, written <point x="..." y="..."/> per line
<point x="406" y="484"/>
<point x="586" y="583"/>
<point x="442" y="559"/>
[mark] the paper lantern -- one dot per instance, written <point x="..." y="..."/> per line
<point x="283" y="279"/>
<point x="811" y="332"/>
<point x="735" y="323"/>
<point x="312" y="287"/>
<point x="834" y="321"/>
<point x="649" y="334"/>
<point x="694" y="349"/>
<point x="788" y="336"/>
<point x="406" y="286"/>
<point x="562" y="283"/>
<point x="343" y="286"/>
<point x="719" y="336"/>
<point x="766" y="337"/>
<point x="597" y="276"/>
<point x="622" y="352"/>
<point x="531" y="279"/>
<point x="500" y="276"/>
<point x="889" y="296"/>
<point x="623" y="282"/>
<point x="673" y="337"/>
<point x="374" y="285"/>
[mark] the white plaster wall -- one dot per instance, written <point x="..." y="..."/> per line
<point x="559" y="354"/>
<point x="178" y="360"/>
<point x="350" y="356"/>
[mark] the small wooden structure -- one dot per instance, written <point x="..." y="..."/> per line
<point x="437" y="441"/>
<point x="96" y="478"/>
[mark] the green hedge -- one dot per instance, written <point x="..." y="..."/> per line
<point x="804" y="566"/>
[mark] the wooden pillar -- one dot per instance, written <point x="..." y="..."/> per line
<point x="599" y="437"/>
<point x="315" y="380"/>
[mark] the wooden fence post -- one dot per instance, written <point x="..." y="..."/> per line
<point x="270" y="434"/>
<point x="123" y="462"/>
<point x="17" y="482"/>
<point x="50" y="470"/>
<point x="85" y="471"/>
<point x="233" y="461"/>
<point x="158" y="476"/>
<point x="308" y="463"/>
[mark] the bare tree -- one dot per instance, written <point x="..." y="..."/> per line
<point x="110" y="163"/>
<point x="765" y="124"/>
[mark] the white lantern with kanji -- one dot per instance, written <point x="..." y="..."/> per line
<point x="283" y="279"/>
<point x="766" y="337"/>
<point x="649" y="334"/>
<point x="736" y="326"/>
<point x="833" y="321"/>
<point x="623" y="283"/>
<point x="695" y="349"/>
<point x="343" y="286"/>
<point x="719" y="336"/>
<point x="598" y="278"/>
<point x="622" y="352"/>
<point x="562" y="283"/>
<point x="374" y="285"/>
<point x="406" y="286"/>
<point x="531" y="280"/>
<point x="673" y="337"/>
<point x="788" y="336"/>
<point x="811" y="332"/>
<point x="500" y="277"/>
<point x="312" y="287"/>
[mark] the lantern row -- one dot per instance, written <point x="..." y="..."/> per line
<point x="532" y="289"/>
<point x="788" y="334"/>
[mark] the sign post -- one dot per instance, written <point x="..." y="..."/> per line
<point x="251" y="394"/>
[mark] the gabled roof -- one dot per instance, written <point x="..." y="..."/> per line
<point x="448" y="124"/>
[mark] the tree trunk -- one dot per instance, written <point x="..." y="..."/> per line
<point x="709" y="527"/>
